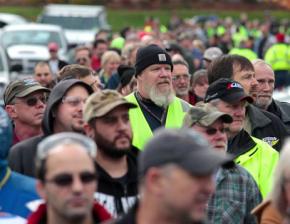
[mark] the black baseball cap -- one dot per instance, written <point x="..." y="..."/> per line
<point x="185" y="148"/>
<point x="227" y="90"/>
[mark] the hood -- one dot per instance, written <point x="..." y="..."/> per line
<point x="56" y="95"/>
<point x="5" y="140"/>
<point x="29" y="52"/>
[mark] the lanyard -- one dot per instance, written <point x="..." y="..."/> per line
<point x="160" y="120"/>
<point x="6" y="177"/>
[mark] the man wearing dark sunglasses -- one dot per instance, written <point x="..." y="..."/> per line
<point x="236" y="191"/>
<point x="83" y="56"/>
<point x="67" y="179"/>
<point x="107" y="122"/>
<point x="255" y="155"/>
<point x="25" y="102"/>
<point x="63" y="113"/>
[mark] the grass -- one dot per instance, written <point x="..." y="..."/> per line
<point x="118" y="18"/>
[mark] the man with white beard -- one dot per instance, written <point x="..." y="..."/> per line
<point x="157" y="104"/>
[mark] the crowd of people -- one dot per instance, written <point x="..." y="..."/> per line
<point x="171" y="124"/>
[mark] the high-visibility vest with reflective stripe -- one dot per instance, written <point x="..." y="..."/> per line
<point x="141" y="129"/>
<point x="245" y="52"/>
<point x="260" y="162"/>
<point x="278" y="56"/>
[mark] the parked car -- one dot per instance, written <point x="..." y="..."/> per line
<point x="27" y="44"/>
<point x="4" y="73"/>
<point x="9" y="19"/>
<point x="80" y="22"/>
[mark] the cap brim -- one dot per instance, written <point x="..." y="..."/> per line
<point x="237" y="97"/>
<point x="31" y="90"/>
<point x="209" y="120"/>
<point x="114" y="105"/>
<point x="205" y="162"/>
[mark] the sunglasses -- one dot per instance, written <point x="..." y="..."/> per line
<point x="78" y="60"/>
<point x="213" y="131"/>
<point x="179" y="77"/>
<point x="66" y="179"/>
<point x="32" y="101"/>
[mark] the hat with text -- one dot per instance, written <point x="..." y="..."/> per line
<point x="227" y="90"/>
<point x="21" y="88"/>
<point x="184" y="148"/>
<point x="101" y="103"/>
<point x="205" y="115"/>
<point x="150" y="55"/>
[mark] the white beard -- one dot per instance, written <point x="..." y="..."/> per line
<point x="162" y="99"/>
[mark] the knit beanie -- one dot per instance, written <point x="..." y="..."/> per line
<point x="150" y="55"/>
<point x="126" y="73"/>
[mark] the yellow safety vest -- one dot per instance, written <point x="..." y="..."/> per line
<point x="278" y="56"/>
<point x="141" y="129"/>
<point x="260" y="162"/>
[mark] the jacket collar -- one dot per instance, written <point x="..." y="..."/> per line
<point x="256" y="117"/>
<point x="285" y="117"/>
<point x="39" y="216"/>
<point x="240" y="144"/>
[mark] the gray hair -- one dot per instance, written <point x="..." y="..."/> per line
<point x="60" y="139"/>
<point x="277" y="194"/>
<point x="260" y="62"/>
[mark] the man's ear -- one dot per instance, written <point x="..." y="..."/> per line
<point x="89" y="131"/>
<point x="11" y="111"/>
<point x="40" y="188"/>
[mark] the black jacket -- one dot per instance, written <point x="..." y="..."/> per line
<point x="115" y="195"/>
<point x="21" y="156"/>
<point x="267" y="127"/>
<point x="281" y="110"/>
<point x="240" y="144"/>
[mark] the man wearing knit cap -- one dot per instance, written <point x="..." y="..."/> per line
<point x="157" y="104"/>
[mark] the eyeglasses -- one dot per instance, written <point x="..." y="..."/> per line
<point x="73" y="100"/>
<point x="213" y="131"/>
<point x="66" y="179"/>
<point x="78" y="60"/>
<point x="33" y="100"/>
<point x="179" y="77"/>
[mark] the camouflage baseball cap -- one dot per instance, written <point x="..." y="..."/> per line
<point x="205" y="115"/>
<point x="101" y="103"/>
<point x="21" y="88"/>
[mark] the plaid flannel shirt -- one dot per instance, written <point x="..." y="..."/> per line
<point x="236" y="195"/>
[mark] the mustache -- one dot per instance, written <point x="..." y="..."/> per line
<point x="122" y="135"/>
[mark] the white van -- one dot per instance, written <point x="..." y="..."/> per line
<point x="80" y="22"/>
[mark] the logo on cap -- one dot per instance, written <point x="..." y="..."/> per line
<point x="234" y="85"/>
<point x="162" y="57"/>
<point x="30" y="82"/>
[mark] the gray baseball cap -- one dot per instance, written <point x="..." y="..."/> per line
<point x="182" y="147"/>
<point x="212" y="53"/>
